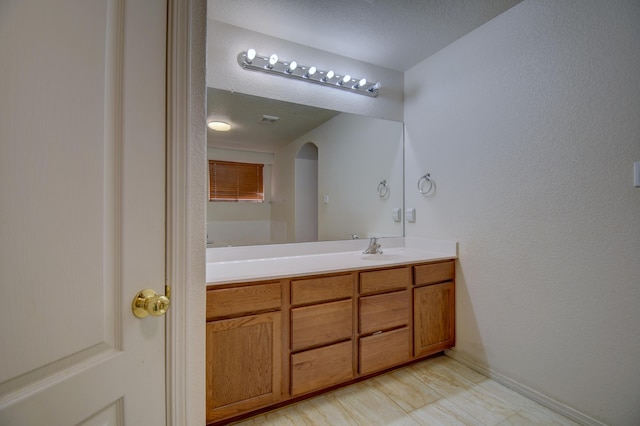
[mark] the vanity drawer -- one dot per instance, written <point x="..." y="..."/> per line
<point x="235" y="301"/>
<point x="384" y="350"/>
<point x="384" y="311"/>
<point x="322" y="324"/>
<point x="434" y="273"/>
<point x="322" y="289"/>
<point x="384" y="280"/>
<point x="321" y="368"/>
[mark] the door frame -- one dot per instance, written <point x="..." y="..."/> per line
<point x="186" y="190"/>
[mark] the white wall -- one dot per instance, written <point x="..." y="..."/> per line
<point x="530" y="126"/>
<point x="225" y="41"/>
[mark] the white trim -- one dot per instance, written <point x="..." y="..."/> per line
<point x="526" y="391"/>
<point x="186" y="195"/>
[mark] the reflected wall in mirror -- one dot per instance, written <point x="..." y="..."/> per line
<point x="323" y="172"/>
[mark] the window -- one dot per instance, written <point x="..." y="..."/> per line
<point x="231" y="181"/>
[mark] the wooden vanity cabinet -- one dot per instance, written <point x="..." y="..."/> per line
<point x="433" y="308"/>
<point x="244" y="349"/>
<point x="321" y="332"/>
<point x="273" y="341"/>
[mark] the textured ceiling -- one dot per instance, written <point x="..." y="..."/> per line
<point x="395" y="34"/>
<point x="250" y="131"/>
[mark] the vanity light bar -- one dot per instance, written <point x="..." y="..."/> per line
<point x="250" y="60"/>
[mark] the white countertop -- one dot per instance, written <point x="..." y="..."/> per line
<point x="238" y="264"/>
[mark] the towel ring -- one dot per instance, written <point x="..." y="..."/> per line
<point x="383" y="189"/>
<point x="423" y="181"/>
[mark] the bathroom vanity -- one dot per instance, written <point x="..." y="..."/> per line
<point x="277" y="338"/>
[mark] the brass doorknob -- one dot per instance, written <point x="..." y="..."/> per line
<point x="148" y="302"/>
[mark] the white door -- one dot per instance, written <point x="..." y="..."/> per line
<point x="82" y="210"/>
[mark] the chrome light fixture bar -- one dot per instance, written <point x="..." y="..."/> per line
<point x="250" y="60"/>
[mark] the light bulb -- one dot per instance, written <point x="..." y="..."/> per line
<point x="374" y="87"/>
<point x="328" y="76"/>
<point x="292" y="66"/>
<point x="251" y="55"/>
<point x="360" y="83"/>
<point x="311" y="71"/>
<point x="273" y="59"/>
<point x="345" y="79"/>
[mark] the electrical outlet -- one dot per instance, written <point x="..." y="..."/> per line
<point x="636" y="174"/>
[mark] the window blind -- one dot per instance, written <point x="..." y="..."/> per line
<point x="232" y="181"/>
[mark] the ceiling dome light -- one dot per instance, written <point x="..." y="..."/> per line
<point x="251" y="55"/>
<point x="219" y="126"/>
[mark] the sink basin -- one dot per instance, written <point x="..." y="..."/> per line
<point x="383" y="257"/>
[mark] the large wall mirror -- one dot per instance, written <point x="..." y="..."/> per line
<point x="328" y="175"/>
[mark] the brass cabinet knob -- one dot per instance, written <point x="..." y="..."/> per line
<point x="148" y="302"/>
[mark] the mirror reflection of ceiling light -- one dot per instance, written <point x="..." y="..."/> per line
<point x="219" y="126"/>
<point x="250" y="60"/>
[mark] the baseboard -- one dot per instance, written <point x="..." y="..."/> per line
<point x="526" y="391"/>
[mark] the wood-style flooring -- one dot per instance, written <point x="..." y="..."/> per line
<point x="438" y="391"/>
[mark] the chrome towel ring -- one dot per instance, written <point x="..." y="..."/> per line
<point x="426" y="178"/>
<point x="383" y="189"/>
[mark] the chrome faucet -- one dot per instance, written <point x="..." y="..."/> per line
<point x="374" y="247"/>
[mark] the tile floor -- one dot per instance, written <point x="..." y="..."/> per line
<point x="438" y="391"/>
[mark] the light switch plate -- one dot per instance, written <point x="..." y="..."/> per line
<point x="410" y="214"/>
<point x="636" y="173"/>
<point x="396" y="214"/>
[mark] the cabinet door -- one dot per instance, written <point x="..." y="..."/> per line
<point x="433" y="318"/>
<point x="243" y="364"/>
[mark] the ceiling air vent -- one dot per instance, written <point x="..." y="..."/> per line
<point x="268" y="119"/>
